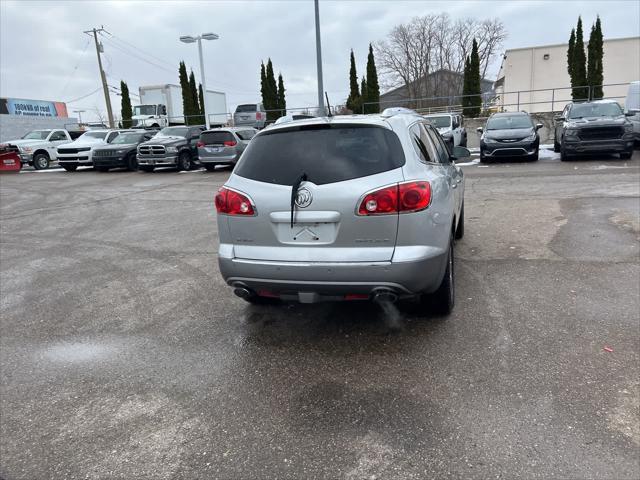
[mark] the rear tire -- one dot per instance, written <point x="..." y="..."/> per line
<point x="146" y="168"/>
<point x="460" y="229"/>
<point x="70" y="168"/>
<point x="463" y="143"/>
<point x="443" y="299"/>
<point x="556" y="146"/>
<point x="40" y="161"/>
<point x="184" y="161"/>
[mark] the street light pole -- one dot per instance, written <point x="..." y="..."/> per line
<point x="321" y="110"/>
<point x="199" y="38"/>
<point x="204" y="86"/>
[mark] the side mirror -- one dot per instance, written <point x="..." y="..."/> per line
<point x="460" y="152"/>
<point x="558" y="118"/>
<point x="479" y="130"/>
<point x="539" y="126"/>
<point x="630" y="114"/>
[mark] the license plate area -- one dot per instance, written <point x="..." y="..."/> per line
<point x="213" y="149"/>
<point x="306" y="233"/>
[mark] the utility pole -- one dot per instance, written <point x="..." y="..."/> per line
<point x="79" y="112"/>
<point x="103" y="77"/>
<point x="321" y="109"/>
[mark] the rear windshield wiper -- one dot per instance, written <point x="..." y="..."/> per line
<point x="294" y="193"/>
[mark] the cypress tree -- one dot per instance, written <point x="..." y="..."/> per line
<point x="579" y="66"/>
<point x="465" y="87"/>
<point x="594" y="60"/>
<point x="126" y="111"/>
<point x="364" y="94"/>
<point x="475" y="87"/>
<point x="282" y="102"/>
<point x="272" y="92"/>
<point x="196" y="118"/>
<point x="263" y="85"/>
<point x="187" y="98"/>
<point x="570" y="55"/>
<point x="373" y="89"/>
<point x="354" y="102"/>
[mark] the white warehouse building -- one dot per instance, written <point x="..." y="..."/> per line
<point x="540" y="75"/>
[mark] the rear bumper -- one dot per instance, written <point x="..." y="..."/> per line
<point x="221" y="160"/>
<point x="422" y="272"/>
<point x="158" y="161"/>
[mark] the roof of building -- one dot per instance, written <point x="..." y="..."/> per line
<point x="565" y="44"/>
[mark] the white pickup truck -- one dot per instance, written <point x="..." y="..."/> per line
<point x="38" y="147"/>
<point x="450" y="127"/>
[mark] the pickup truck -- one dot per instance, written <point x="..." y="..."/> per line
<point x="171" y="147"/>
<point x="450" y="127"/>
<point x="79" y="152"/>
<point x="38" y="147"/>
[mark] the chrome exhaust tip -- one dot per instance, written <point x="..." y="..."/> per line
<point x="385" y="296"/>
<point x="243" y="292"/>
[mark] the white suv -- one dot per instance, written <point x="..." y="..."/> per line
<point x="450" y="126"/>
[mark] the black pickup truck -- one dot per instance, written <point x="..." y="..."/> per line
<point x="170" y="147"/>
<point x="593" y="127"/>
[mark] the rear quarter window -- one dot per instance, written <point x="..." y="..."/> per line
<point x="327" y="154"/>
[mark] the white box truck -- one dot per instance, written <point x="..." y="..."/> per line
<point x="161" y="106"/>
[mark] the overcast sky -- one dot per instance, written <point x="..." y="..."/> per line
<point x="44" y="54"/>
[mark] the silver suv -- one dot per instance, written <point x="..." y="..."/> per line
<point x="223" y="146"/>
<point x="343" y="208"/>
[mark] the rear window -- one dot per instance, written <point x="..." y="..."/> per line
<point x="326" y="154"/>
<point x="246" y="108"/>
<point x="216" y="138"/>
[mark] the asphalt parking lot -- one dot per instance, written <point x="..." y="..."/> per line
<point x="124" y="355"/>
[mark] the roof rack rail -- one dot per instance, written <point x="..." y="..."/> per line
<point x="390" y="112"/>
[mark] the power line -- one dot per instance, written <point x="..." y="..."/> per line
<point x="84" y="49"/>
<point x="83" y="96"/>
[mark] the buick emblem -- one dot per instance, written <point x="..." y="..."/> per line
<point x="303" y="198"/>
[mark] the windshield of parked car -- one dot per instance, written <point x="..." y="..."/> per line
<point x="581" y="110"/>
<point x="94" y="135"/>
<point x="509" y="122"/>
<point x="326" y="154"/>
<point x="440" y="122"/>
<point x="37" y="135"/>
<point x="173" y="132"/>
<point x="127" y="138"/>
<point x="246" y="108"/>
<point x="144" y="110"/>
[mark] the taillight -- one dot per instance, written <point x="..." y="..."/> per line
<point x="258" y="116"/>
<point x="399" y="198"/>
<point x="380" y="202"/>
<point x="230" y="143"/>
<point x="414" y="196"/>
<point x="231" y="202"/>
<point x="200" y="144"/>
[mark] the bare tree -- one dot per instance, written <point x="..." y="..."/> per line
<point x="434" y="42"/>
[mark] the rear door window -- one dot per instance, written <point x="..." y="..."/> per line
<point x="216" y="138"/>
<point x="325" y="153"/>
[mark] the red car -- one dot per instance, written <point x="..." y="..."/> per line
<point x="9" y="158"/>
